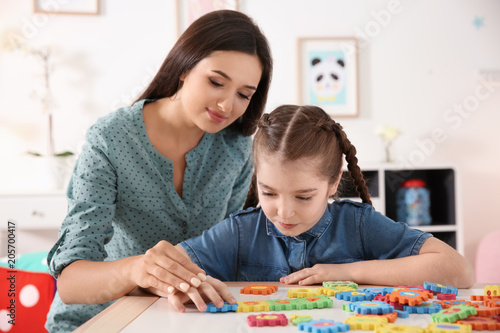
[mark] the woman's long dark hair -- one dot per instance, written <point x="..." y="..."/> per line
<point x="223" y="30"/>
<point x="293" y="132"/>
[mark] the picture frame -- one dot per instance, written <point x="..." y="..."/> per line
<point x="328" y="74"/>
<point x="190" y="10"/>
<point x="72" y="7"/>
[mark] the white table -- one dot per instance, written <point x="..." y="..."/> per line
<point x="153" y="314"/>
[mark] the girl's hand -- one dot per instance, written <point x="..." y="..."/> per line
<point x="165" y="268"/>
<point x="212" y="290"/>
<point x="314" y="275"/>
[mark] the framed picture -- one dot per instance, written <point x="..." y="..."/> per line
<point x="328" y="74"/>
<point x="80" y="7"/>
<point x="189" y="10"/>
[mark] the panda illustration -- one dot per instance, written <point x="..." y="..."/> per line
<point x="327" y="78"/>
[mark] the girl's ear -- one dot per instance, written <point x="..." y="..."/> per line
<point x="333" y="187"/>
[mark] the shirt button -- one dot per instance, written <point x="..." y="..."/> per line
<point x="184" y="223"/>
<point x="184" y="231"/>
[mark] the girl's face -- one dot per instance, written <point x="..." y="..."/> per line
<point x="218" y="89"/>
<point x="291" y="194"/>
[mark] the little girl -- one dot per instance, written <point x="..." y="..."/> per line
<point x="297" y="236"/>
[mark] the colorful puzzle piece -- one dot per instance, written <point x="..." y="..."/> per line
<point x="253" y="306"/>
<point x="355" y="296"/>
<point x="454" y="313"/>
<point x="331" y="291"/>
<point x="487" y="312"/>
<point x="259" y="289"/>
<point x="492" y="303"/>
<point x="392" y="328"/>
<point x="225" y="308"/>
<point x="481" y="324"/>
<point x="402" y="314"/>
<point x="318" y="302"/>
<point x="440" y="288"/>
<point x="424" y="308"/>
<point x="448" y="328"/>
<point x="371" y="307"/>
<point x="492" y="290"/>
<point x="349" y="284"/>
<point x="446" y="297"/>
<point x="374" y="290"/>
<point x="297" y="319"/>
<point x="267" y="320"/>
<point x="323" y="326"/>
<point x="391" y="316"/>
<point x="408" y="296"/>
<point x="365" y="323"/>
<point x="449" y="304"/>
<point x="304" y="292"/>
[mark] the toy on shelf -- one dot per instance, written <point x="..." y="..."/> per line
<point x="448" y="328"/>
<point x="259" y="289"/>
<point x="323" y="326"/>
<point x="297" y="319"/>
<point x="440" y="288"/>
<point x="453" y="314"/>
<point x="267" y="320"/>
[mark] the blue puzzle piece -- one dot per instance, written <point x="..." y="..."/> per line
<point x="424" y="308"/>
<point x="440" y="288"/>
<point x="225" y="308"/>
<point x="323" y="326"/>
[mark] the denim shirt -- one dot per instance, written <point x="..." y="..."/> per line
<point x="248" y="247"/>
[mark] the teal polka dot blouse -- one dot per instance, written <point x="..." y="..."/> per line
<point x="121" y="197"/>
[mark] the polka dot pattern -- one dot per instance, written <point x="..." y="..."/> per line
<point x="121" y="198"/>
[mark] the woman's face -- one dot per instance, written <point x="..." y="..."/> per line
<point x="291" y="194"/>
<point x="218" y="89"/>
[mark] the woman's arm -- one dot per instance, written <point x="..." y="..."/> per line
<point x="436" y="262"/>
<point x="162" y="267"/>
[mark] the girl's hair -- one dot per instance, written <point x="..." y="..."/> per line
<point x="293" y="132"/>
<point x="223" y="30"/>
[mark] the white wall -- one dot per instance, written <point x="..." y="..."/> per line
<point x="417" y="67"/>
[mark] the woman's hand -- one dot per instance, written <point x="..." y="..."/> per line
<point x="212" y="290"/>
<point x="314" y="275"/>
<point x="165" y="268"/>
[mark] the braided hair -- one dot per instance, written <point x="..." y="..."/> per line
<point x="293" y="132"/>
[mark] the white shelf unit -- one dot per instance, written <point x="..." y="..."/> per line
<point x="384" y="180"/>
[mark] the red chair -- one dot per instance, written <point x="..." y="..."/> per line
<point x="488" y="259"/>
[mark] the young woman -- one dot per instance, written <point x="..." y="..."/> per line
<point x="297" y="236"/>
<point x="168" y="167"/>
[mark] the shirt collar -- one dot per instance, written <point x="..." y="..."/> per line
<point x="316" y="231"/>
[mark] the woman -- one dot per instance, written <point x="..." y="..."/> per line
<point x="170" y="166"/>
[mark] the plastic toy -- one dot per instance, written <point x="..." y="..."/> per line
<point x="365" y="323"/>
<point x="481" y="324"/>
<point x="313" y="302"/>
<point x="355" y="296"/>
<point x="449" y="304"/>
<point x="487" y="312"/>
<point x="331" y="291"/>
<point x="454" y="313"/>
<point x="259" y="289"/>
<point x="446" y="297"/>
<point x="402" y="314"/>
<point x="297" y="319"/>
<point x="391" y="316"/>
<point x="448" y="328"/>
<point x="408" y="296"/>
<point x="374" y="290"/>
<point x="304" y="292"/>
<point x="492" y="290"/>
<point x="225" y="308"/>
<point x="253" y="306"/>
<point x="392" y="328"/>
<point x="282" y="305"/>
<point x="371" y="307"/>
<point x="440" y="288"/>
<point x="424" y="308"/>
<point x="350" y="284"/>
<point x="323" y="326"/>
<point x="492" y="303"/>
<point x="267" y="320"/>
